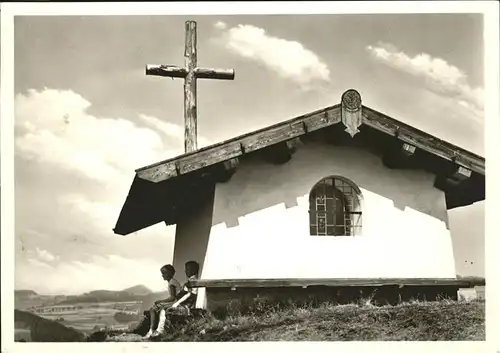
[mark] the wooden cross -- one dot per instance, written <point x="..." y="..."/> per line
<point x="190" y="73"/>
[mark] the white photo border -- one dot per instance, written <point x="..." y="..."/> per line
<point x="490" y="11"/>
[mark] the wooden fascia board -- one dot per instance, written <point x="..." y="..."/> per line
<point x="236" y="147"/>
<point x="302" y="125"/>
<point x="423" y="140"/>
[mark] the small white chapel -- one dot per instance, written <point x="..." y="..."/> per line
<point x="344" y="196"/>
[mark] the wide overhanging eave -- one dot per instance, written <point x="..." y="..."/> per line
<point x="146" y="204"/>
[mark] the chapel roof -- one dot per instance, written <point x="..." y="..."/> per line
<point x="159" y="190"/>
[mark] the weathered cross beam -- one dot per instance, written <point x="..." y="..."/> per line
<point x="190" y="73"/>
<point x="461" y="174"/>
<point x="399" y="157"/>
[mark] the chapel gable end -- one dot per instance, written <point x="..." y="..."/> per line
<point x="458" y="173"/>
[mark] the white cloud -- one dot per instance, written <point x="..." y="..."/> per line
<point x="55" y="128"/>
<point x="45" y="255"/>
<point x="34" y="263"/>
<point x="101" y="215"/>
<point x="440" y="76"/>
<point x="220" y="25"/>
<point x="172" y="131"/>
<point x="110" y="272"/>
<point x="289" y="59"/>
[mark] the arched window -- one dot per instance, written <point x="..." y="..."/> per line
<point x="334" y="208"/>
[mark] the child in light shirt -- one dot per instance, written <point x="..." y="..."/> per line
<point x="185" y="299"/>
<point x="173" y="289"/>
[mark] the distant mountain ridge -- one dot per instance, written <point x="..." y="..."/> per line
<point x="138" y="290"/>
<point x="25" y="292"/>
<point x="26" y="298"/>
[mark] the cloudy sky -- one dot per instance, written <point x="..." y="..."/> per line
<point x="86" y="117"/>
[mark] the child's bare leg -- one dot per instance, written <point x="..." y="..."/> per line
<point x="161" y="324"/>
<point x="152" y="317"/>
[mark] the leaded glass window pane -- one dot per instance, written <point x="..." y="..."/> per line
<point x="334" y="208"/>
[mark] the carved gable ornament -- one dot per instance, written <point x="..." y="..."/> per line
<point x="351" y="111"/>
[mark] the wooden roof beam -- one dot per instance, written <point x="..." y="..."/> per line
<point x="399" y="158"/>
<point x="281" y="152"/>
<point x="460" y="175"/>
<point x="422" y="140"/>
<point x="226" y="170"/>
<point x="458" y="195"/>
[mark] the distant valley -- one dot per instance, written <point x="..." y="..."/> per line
<point x="25" y="299"/>
<point x="54" y="318"/>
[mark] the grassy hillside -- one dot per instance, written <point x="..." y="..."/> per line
<point x="416" y="321"/>
<point x="43" y="330"/>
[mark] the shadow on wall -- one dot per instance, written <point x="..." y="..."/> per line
<point x="258" y="184"/>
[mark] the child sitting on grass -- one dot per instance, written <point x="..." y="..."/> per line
<point x="173" y="289"/>
<point x="185" y="299"/>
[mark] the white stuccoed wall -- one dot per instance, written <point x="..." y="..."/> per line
<point x="404" y="221"/>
